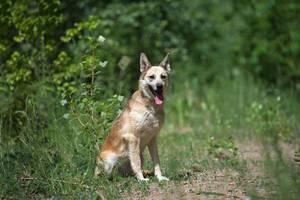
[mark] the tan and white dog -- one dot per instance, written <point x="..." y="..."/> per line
<point x="139" y="123"/>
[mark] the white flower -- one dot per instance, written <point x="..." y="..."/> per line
<point x="63" y="102"/>
<point x="120" y="98"/>
<point x="103" y="64"/>
<point x="66" y="116"/>
<point x="278" y="98"/>
<point x="101" y="39"/>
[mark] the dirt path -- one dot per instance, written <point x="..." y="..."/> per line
<point x="215" y="185"/>
<point x="219" y="184"/>
<point x="223" y="184"/>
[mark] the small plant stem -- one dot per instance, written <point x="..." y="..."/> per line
<point x="92" y="86"/>
<point x="78" y="118"/>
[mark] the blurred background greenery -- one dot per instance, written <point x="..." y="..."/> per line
<point x="67" y="67"/>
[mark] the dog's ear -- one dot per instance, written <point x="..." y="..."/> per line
<point x="166" y="63"/>
<point x="144" y="63"/>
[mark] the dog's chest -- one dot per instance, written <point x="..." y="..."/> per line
<point x="148" y="121"/>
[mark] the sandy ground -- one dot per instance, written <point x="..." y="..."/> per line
<point x="220" y="184"/>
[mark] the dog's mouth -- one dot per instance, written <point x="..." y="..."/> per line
<point x="158" y="95"/>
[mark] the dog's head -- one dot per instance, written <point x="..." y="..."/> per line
<point x="154" y="79"/>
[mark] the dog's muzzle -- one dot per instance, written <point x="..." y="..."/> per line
<point x="158" y="94"/>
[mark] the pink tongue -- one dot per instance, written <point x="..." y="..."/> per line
<point x="159" y="99"/>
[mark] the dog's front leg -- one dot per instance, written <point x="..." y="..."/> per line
<point x="135" y="159"/>
<point x="154" y="155"/>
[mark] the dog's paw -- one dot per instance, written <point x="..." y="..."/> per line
<point x="162" y="178"/>
<point x="143" y="179"/>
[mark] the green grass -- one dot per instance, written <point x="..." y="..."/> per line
<point x="204" y="121"/>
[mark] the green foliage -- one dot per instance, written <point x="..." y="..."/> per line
<point x="270" y="45"/>
<point x="224" y="150"/>
<point x="273" y="121"/>
<point x="87" y="105"/>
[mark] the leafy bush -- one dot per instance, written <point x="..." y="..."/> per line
<point x="270" y="40"/>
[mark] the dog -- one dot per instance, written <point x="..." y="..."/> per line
<point x="138" y="125"/>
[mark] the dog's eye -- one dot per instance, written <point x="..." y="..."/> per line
<point x="163" y="76"/>
<point x="152" y="77"/>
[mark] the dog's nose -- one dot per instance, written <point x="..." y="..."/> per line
<point x="159" y="87"/>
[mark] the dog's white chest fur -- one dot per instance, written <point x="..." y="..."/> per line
<point x="146" y="119"/>
<point x="148" y="123"/>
